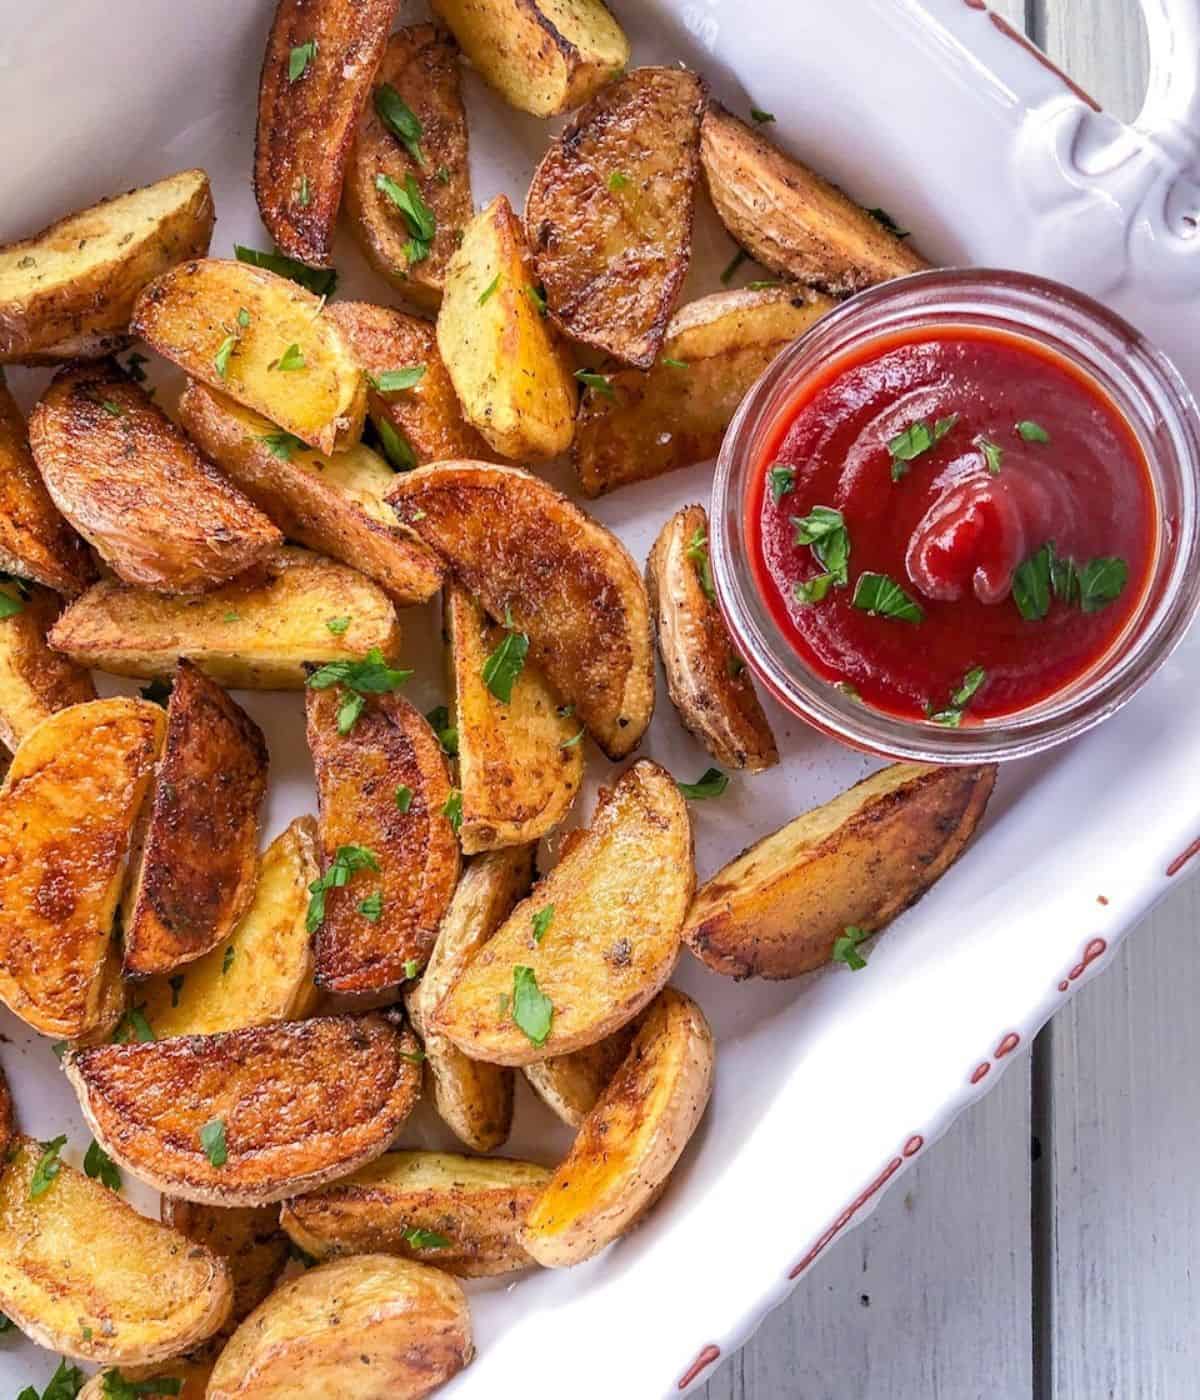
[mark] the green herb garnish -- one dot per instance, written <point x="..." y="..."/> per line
<point x="452" y="809"/>
<point x="781" y="480"/>
<point x="300" y="58"/>
<point x="227" y="960"/>
<point x="1101" y="581"/>
<point x="321" y="281"/>
<point x="845" y="948"/>
<point x="337" y="625"/>
<point x="371" y="675"/>
<point x="883" y="597"/>
<point x="532" y="1012"/>
<point x="825" y="530"/>
<point x="952" y="715"/>
<point x="371" y="908"/>
<point x="47" y="1167"/>
<point x="1031" y="584"/>
<point x="505" y="664"/>
<point x="916" y="439"/>
<point x="418" y="216"/>
<point x="490" y="290"/>
<point x="101" y="1167"/>
<point x="418" y="1238"/>
<point x="347" y="860"/>
<point x="618" y="181"/>
<point x="883" y="217"/>
<point x="391" y="381"/>
<point x="813" y="590"/>
<point x="599" y="382"/>
<point x="212" y="1140"/>
<point x="697" y="553"/>
<point x="1031" y="431"/>
<point x="993" y="454"/>
<point x="757" y="114"/>
<point x="282" y="444"/>
<point x="401" y="121"/>
<point x="447" y="733"/>
<point x="396" y="447"/>
<point x="291" y="359"/>
<point x="711" y="784"/>
<point x="404" y="798"/>
<point x="732" y="266"/>
<point x="541" y="922"/>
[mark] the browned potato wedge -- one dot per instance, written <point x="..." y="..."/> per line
<point x="676" y="413"/>
<point x="67" y="811"/>
<point x="420" y="67"/>
<point x="8" y="1124"/>
<point x="857" y="861"/>
<point x="372" y="1327"/>
<point x="34" y="681"/>
<point x="359" y="778"/>
<point x="333" y="503"/>
<point x="618" y="899"/>
<point x="84" y="1274"/>
<point x="509" y="374"/>
<point x="253" y="634"/>
<point x="79" y="278"/>
<point x="631" y="1140"/>
<point x="517" y="774"/>
<point x="316" y="77"/>
<point x="790" y="219"/>
<point x="570" y="1085"/>
<point x="609" y="212"/>
<point x="590" y="633"/>
<point x="542" y="56"/>
<point x="85" y="346"/>
<point x="249" y="1116"/>
<point x="707" y="680"/>
<point x="262" y="340"/>
<point x="184" y="1380"/>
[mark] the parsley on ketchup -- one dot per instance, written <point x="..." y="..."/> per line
<point x="952" y="524"/>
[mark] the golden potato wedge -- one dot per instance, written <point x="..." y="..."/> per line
<point x="34" y="681"/>
<point x="77" y="280"/>
<point x="676" y="413"/>
<point x="589" y="634"/>
<point x="372" y="1327"/>
<point x="316" y="77"/>
<point x="617" y="900"/>
<point x="256" y="633"/>
<point x="127" y="479"/>
<point x="517" y="768"/>
<point x="420" y="68"/>
<point x="507" y="370"/>
<point x="67" y="810"/>
<point x="88" y="345"/>
<point x="261" y="339"/>
<point x="184" y="1380"/>
<point x="570" y="1085"/>
<point x="790" y="219"/>
<point x="857" y="861"/>
<point x="333" y="503"/>
<point x="384" y="919"/>
<point x="250" y="1116"/>
<point x="84" y="1274"/>
<point x="631" y="1140"/>
<point x="609" y="212"/>
<point x="708" y="682"/>
<point x="541" y="56"/>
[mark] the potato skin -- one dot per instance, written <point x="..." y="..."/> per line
<point x="34" y="681"/>
<point x="571" y="1085"/>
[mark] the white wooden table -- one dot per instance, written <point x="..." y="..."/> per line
<point x="1043" y="1250"/>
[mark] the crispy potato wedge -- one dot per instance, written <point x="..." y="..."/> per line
<point x="676" y="413"/>
<point x="127" y="479"/>
<point x="542" y="56"/>
<point x="420" y="65"/>
<point x="857" y="861"/>
<point x="263" y="971"/>
<point x="509" y="374"/>
<point x="184" y="1380"/>
<point x="609" y="212"/>
<point x="288" y="361"/>
<point x="570" y="1085"/>
<point x="333" y="503"/>
<point x="76" y="281"/>
<point x="619" y="897"/>
<point x="708" y="682"/>
<point x="790" y="219"/>
<point x="307" y="118"/>
<point x="67" y="812"/>
<point x="34" y="681"/>
<point x="253" y="634"/>
<point x="391" y="746"/>
<point x="518" y="781"/>
<point x="194" y="874"/>
<point x="590" y="634"/>
<point x="631" y="1140"/>
<point x="84" y="1274"/>
<point x="299" y="1103"/>
<point x="372" y="1327"/>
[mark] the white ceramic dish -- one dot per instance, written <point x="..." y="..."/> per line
<point x="829" y="1086"/>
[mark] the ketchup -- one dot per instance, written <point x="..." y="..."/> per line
<point x="955" y="523"/>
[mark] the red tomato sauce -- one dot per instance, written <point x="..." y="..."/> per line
<point x="999" y="449"/>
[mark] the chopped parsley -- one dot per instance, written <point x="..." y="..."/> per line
<point x="601" y="383"/>
<point x="412" y="968"/>
<point x="673" y="364"/>
<point x="537" y="295"/>
<point x="618" y="181"/>
<point x="391" y="381"/>
<point x="281" y="444"/>
<point x="916" y="439"/>
<point x="541" y="922"/>
<point x="291" y="359"/>
<point x="781" y="480"/>
<point x="321" y="281"/>
<point x="47" y="1167"/>
<point x="762" y="118"/>
<point x="418" y="1238"/>
<point x="347" y="860"/>
<point x="212" y="1140"/>
<point x="227" y="960"/>
<point x="404" y="798"/>
<point x="447" y="733"/>
<point x="101" y="1167"/>
<point x="881" y="216"/>
<point x="993" y="454"/>
<point x="505" y="664"/>
<point x="1029" y="431"/>
<point x="697" y="554"/>
<point x="371" y="908"/>
<point x="301" y="56"/>
<point x="452" y="809"/>
<point x="133" y="1026"/>
<point x="418" y="216"/>
<point x="371" y="675"/>
<point x="845" y="948"/>
<point x="883" y="597"/>
<point x="337" y="625"/>
<point x="396" y="447"/>
<point x="116" y="1387"/>
<point x="824" y="529"/>
<point x="952" y="715"/>
<point x="732" y="266"/>
<point x="1102" y="581"/>
<point x="490" y="290"/>
<point x="401" y="121"/>
<point x="712" y="783"/>
<point x="532" y="1011"/>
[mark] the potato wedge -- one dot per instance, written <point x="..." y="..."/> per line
<point x="80" y="277"/>
<point x="34" y="681"/>
<point x="287" y="361"/>
<point x="184" y="1380"/>
<point x="420" y="66"/>
<point x="8" y="1122"/>
<point x="618" y="897"/>
<point x="631" y="1140"/>
<point x="507" y="370"/>
<point x="371" y="1327"/>
<point x="84" y="1274"/>
<point x="790" y="219"/>
<point x="609" y="212"/>
<point x="857" y="861"/>
<point x="253" y="634"/>
<point x="292" y="1105"/>
<point x="542" y="56"/>
<point x="67" y="811"/>
<point x="88" y="345"/>
<point x="676" y="413"/>
<point x="307" y="115"/>
<point x="571" y="1085"/>
<point x="127" y="479"/>
<point x="359" y="775"/>
<point x="333" y="503"/>
<point x="708" y="682"/>
<point x="590" y="634"/>
<point x="518" y="778"/>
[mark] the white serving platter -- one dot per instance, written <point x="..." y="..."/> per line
<point x="829" y="1086"/>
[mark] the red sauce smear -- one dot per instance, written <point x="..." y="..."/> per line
<point x="950" y="532"/>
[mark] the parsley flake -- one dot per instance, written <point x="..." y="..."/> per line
<point x="757" y="114"/>
<point x="281" y="444"/>
<point x="291" y="359"/>
<point x="490" y="290"/>
<point x="396" y="447"/>
<point x="391" y="381"/>
<point x="371" y="675"/>
<point x="337" y="625"/>
<point x="1030" y="431"/>
<point x="401" y="121"/>
<point x="101" y="1167"/>
<point x="618" y="181"/>
<point x="541" y="922"/>
<point x="532" y="1011"/>
<point x="505" y="664"/>
<point x="697" y="554"/>
<point x="452" y="809"/>
<point x="47" y="1167"/>
<point x="712" y="783"/>
<point x="883" y="597"/>
<point x="781" y="480"/>
<point x="993" y="454"/>
<point x="227" y="960"/>
<point x="952" y="715"/>
<point x="418" y="216"/>
<point x="371" y="908"/>
<point x="347" y="860"/>
<point x="301" y="56"/>
<point x="418" y="1238"/>
<point x="212" y="1140"/>
<point x="447" y="733"/>
<point x="601" y="383"/>
<point x="321" y="281"/>
<point x="732" y="266"/>
<point x="882" y="216"/>
<point x="845" y="948"/>
<point x="824" y="529"/>
<point x="404" y="798"/>
<point x="915" y="440"/>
